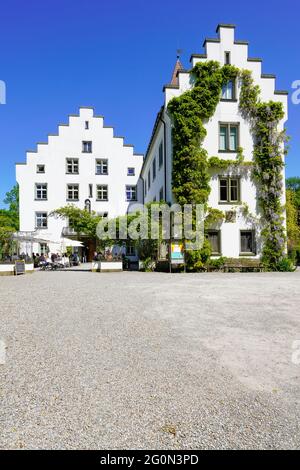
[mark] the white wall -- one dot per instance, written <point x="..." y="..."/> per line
<point x="67" y="144"/>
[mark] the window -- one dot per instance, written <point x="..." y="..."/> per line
<point x="130" y="171"/>
<point x="41" y="220"/>
<point x="228" y="138"/>
<point x="102" y="192"/>
<point x="154" y="169"/>
<point x="87" y="124"/>
<point x="72" y="166"/>
<point x="43" y="248"/>
<point x="87" y="205"/>
<point x="145" y="187"/>
<point x="160" y="155"/>
<point x="227" y="58"/>
<point x="229" y="189"/>
<point x="149" y="179"/>
<point x="130" y="193"/>
<point x="40" y="168"/>
<point x="130" y="250"/>
<point x="41" y="191"/>
<point x="102" y="214"/>
<point x="86" y="146"/>
<point x="228" y="91"/>
<point x="72" y="192"/>
<point x="247" y="242"/>
<point x="214" y="238"/>
<point x="161" y="194"/>
<point x="90" y="190"/>
<point x="101" y="166"/>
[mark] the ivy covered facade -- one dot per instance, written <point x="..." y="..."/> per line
<point x="218" y="140"/>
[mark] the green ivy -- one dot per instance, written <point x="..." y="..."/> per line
<point x="191" y="180"/>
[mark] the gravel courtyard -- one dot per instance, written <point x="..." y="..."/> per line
<point x="149" y="360"/>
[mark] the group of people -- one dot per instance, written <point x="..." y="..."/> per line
<point x="55" y="259"/>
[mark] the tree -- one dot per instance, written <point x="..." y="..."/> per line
<point x="293" y="228"/>
<point x="293" y="184"/>
<point x="12" y="201"/>
<point x="9" y="220"/>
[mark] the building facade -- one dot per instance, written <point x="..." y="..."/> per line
<point x="84" y="165"/>
<point x="231" y="189"/>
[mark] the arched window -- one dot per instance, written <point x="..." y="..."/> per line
<point x="87" y="205"/>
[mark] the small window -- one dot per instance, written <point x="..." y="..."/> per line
<point x="130" y="193"/>
<point x="102" y="192"/>
<point x="90" y="190"/>
<point x="229" y="189"/>
<point x="228" y="91"/>
<point x="40" y="168"/>
<point x="154" y="169"/>
<point x="87" y="125"/>
<point x="130" y="171"/>
<point x="247" y="242"/>
<point x="145" y="184"/>
<point x="161" y="194"/>
<point x="72" y="192"/>
<point x="130" y="250"/>
<point x="160" y="155"/>
<point x="228" y="137"/>
<point x="41" y="220"/>
<point x="101" y="166"/>
<point x="43" y="248"/>
<point x="41" y="191"/>
<point x="86" y="146"/>
<point x="227" y="59"/>
<point x="72" y="166"/>
<point x="214" y="238"/>
<point x="149" y="179"/>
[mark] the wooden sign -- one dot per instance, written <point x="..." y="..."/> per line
<point x="19" y="267"/>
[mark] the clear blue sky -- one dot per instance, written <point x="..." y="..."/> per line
<point x="116" y="55"/>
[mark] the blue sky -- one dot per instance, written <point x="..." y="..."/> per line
<point x="116" y="55"/>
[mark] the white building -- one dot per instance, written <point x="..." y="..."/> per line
<point x="229" y="189"/>
<point x="85" y="165"/>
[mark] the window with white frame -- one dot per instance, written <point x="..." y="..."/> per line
<point x="41" y="220"/>
<point x="130" y="171"/>
<point x="227" y="58"/>
<point x="72" y="166"/>
<point x="130" y="193"/>
<point x="229" y="189"/>
<point x="43" y="248"/>
<point x="102" y="192"/>
<point x="86" y="146"/>
<point x="214" y="239"/>
<point x="228" y="91"/>
<point x="40" y="168"/>
<point x="72" y="192"/>
<point x="247" y="241"/>
<point x="41" y="191"/>
<point x="101" y="166"/>
<point x="228" y="137"/>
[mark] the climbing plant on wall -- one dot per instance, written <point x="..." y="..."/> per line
<point x="191" y="179"/>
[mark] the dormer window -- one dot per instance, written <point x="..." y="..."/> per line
<point x="228" y="91"/>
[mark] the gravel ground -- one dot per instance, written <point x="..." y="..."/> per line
<point x="149" y="360"/>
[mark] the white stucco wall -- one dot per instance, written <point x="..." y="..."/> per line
<point x="68" y="144"/>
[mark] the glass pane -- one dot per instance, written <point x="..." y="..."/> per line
<point x="246" y="242"/>
<point x="227" y="91"/>
<point x="223" y="138"/>
<point x="234" y="190"/>
<point x="213" y="238"/>
<point x="233" y="138"/>
<point x="223" y="190"/>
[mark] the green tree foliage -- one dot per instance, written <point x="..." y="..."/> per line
<point x="9" y="220"/>
<point x="293" y="228"/>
